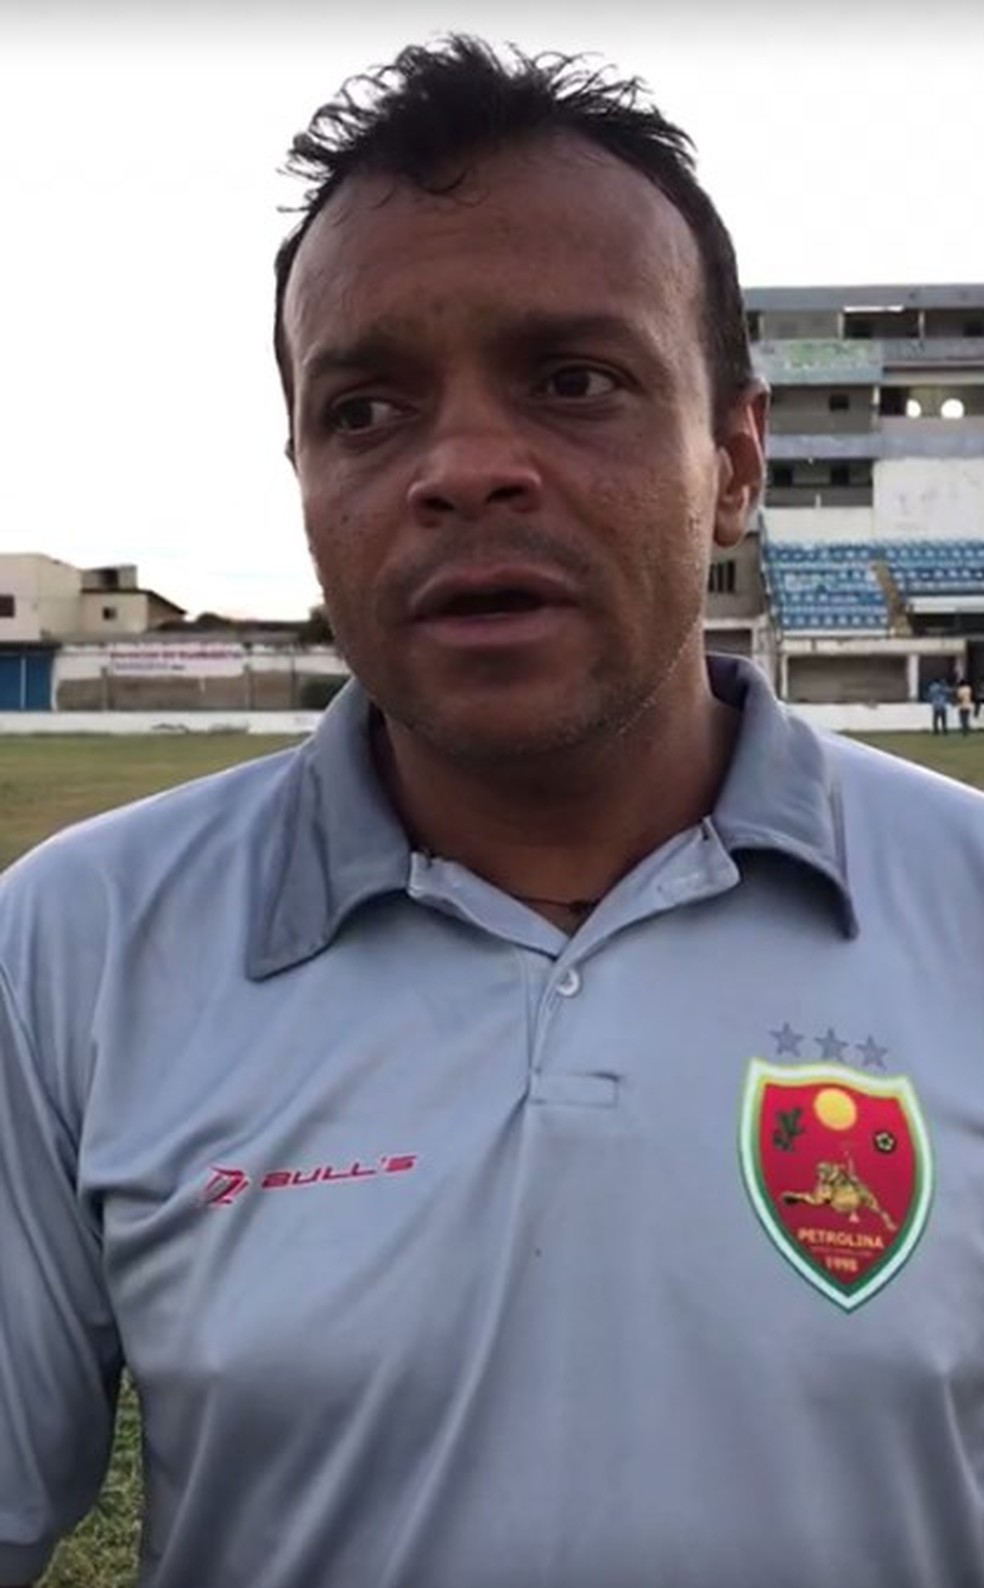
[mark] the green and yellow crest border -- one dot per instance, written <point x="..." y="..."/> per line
<point x="760" y="1074"/>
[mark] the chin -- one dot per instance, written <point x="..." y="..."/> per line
<point x="497" y="737"/>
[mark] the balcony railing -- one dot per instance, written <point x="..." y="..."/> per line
<point x="817" y="446"/>
<point x="850" y="362"/>
<point x="892" y="438"/>
<point x="818" y="496"/>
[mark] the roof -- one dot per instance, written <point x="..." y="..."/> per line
<point x="152" y="595"/>
<point x="955" y="295"/>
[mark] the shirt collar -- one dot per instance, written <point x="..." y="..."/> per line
<point x="782" y="791"/>
<point x="336" y="842"/>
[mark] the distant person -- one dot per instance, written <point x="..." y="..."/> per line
<point x="938" y="695"/>
<point x="964" y="696"/>
<point x="377" y="1102"/>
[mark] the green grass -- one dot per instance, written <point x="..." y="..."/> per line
<point x="46" y="783"/>
<point x="956" y="757"/>
<point x="102" y="1553"/>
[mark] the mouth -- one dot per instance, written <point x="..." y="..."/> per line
<point x="481" y="595"/>
<point x="493" y="609"/>
<point x="495" y="602"/>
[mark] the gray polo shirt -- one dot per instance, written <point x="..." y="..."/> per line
<point x="446" y="1250"/>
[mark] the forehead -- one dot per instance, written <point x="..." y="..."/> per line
<point x="554" y="224"/>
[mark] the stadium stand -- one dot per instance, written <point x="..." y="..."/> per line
<point x="949" y="567"/>
<point x="843" y="586"/>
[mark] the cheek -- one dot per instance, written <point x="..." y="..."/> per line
<point x="348" y="512"/>
<point x="665" y="472"/>
<point x="335" y="552"/>
<point x="330" y="526"/>
<point x="660" y="531"/>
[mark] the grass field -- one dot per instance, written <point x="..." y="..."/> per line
<point x="949" y="753"/>
<point x="45" y="783"/>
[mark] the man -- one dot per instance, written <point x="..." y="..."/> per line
<point x="938" y="695"/>
<point x="964" y="697"/>
<point x="378" y="1102"/>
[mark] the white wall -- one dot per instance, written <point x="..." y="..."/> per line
<point x="894" y="718"/>
<point x="914" y="499"/>
<point x="929" y="498"/>
<point x="903" y="717"/>
<point x="191" y="658"/>
<point x="132" y="608"/>
<point x="820" y="523"/>
<point x="45" y="592"/>
<point x="158" y="722"/>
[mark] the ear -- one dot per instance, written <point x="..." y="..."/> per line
<point x="741" y="463"/>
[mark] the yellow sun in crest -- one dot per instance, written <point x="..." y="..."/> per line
<point x="835" y="1108"/>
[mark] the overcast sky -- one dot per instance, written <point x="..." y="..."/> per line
<point x="140" y="417"/>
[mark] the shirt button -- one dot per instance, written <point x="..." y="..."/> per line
<point x="569" y="984"/>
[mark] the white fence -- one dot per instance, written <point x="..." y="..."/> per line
<point x="160" y="722"/>
<point x="900" y="717"/>
<point x="904" y="717"/>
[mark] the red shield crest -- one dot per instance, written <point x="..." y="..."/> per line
<point x="839" y="1170"/>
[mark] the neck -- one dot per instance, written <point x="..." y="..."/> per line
<point x="558" y="836"/>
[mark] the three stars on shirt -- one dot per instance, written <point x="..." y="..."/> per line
<point x="831" y="1047"/>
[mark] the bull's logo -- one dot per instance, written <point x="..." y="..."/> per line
<point x="839" y="1170"/>
<point x="224" y="1186"/>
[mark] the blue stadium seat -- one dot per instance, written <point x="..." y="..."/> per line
<point x="834" y="585"/>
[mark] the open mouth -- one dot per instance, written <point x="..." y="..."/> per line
<point x="501" y="602"/>
<point x="495" y="606"/>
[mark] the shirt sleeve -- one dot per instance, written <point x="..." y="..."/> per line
<point x="59" y="1349"/>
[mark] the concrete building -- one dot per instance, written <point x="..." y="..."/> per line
<point x="874" y="521"/>
<point x="175" y="672"/>
<point x="737" y="620"/>
<point x="43" y="599"/>
<point x="45" y="603"/>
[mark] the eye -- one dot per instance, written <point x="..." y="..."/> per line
<point x="356" y="415"/>
<point x="579" y="381"/>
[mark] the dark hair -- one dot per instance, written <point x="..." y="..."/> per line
<point x="422" y="117"/>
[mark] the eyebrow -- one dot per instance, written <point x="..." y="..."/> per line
<point x="366" y="352"/>
<point x="534" y="329"/>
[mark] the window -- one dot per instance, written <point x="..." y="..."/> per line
<point x="840" y="474"/>
<point x="8" y="606"/>
<point x="721" y="577"/>
<point x="857" y="328"/>
<point x="893" y="402"/>
<point x="109" y="614"/>
<point x="974" y="328"/>
<point x="839" y="402"/>
<point x="781" y="475"/>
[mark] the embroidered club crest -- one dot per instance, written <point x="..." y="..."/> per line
<point x="839" y="1170"/>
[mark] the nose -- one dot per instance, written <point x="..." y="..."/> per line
<point x="475" y="458"/>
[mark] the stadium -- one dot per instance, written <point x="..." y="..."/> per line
<point x="861" y="582"/>
<point x="865" y="579"/>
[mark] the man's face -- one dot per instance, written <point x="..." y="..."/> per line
<point x="502" y="431"/>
